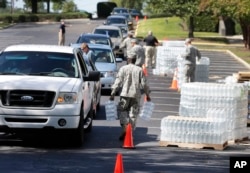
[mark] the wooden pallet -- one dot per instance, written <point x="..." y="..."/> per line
<point x="244" y="73"/>
<point x="242" y="76"/>
<point x="238" y="140"/>
<point x="194" y="146"/>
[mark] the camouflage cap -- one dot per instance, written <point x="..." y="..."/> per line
<point x="134" y="40"/>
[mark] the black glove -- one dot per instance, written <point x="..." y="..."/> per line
<point x="111" y="98"/>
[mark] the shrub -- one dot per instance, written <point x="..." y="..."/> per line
<point x="21" y="18"/>
<point x="34" y="18"/>
<point x="8" y="19"/>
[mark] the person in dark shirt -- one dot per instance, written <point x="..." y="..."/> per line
<point x="61" y="34"/>
<point x="150" y="51"/>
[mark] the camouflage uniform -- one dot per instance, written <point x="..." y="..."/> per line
<point x="127" y="44"/>
<point x="130" y="77"/>
<point x="190" y="62"/>
<point x="139" y="51"/>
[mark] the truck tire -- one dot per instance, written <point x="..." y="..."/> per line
<point x="91" y="116"/>
<point x="78" y="134"/>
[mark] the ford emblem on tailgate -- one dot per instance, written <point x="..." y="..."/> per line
<point x="27" y="98"/>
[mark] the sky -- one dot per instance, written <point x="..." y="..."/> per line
<point x="87" y="5"/>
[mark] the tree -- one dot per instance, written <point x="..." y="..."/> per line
<point x="238" y="9"/>
<point x="33" y="4"/>
<point x="3" y="3"/>
<point x="57" y="6"/>
<point x="136" y="4"/>
<point x="185" y="9"/>
<point x="69" y="6"/>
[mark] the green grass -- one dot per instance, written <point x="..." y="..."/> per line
<point x="171" y="29"/>
<point x="168" y="28"/>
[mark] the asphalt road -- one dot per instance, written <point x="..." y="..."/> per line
<point x="98" y="154"/>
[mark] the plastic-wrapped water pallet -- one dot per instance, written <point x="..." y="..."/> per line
<point x="167" y="59"/>
<point x="193" y="133"/>
<point x="217" y="100"/>
<point x="172" y="43"/>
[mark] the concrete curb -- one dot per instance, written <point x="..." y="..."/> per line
<point x="238" y="58"/>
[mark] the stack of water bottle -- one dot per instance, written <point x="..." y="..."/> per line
<point x="247" y="84"/>
<point x="111" y="110"/>
<point x="192" y="130"/>
<point x="201" y="72"/>
<point x="217" y="112"/>
<point x="167" y="59"/>
<point x="173" y="43"/>
<point x="147" y="110"/>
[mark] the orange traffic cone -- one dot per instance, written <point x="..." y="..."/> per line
<point x="145" y="71"/>
<point x="128" y="141"/>
<point x="136" y="18"/>
<point x="119" y="164"/>
<point x="145" y="17"/>
<point x="174" y="81"/>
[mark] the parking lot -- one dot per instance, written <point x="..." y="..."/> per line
<point x="102" y="145"/>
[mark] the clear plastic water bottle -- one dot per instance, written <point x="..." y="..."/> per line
<point x="147" y="110"/>
<point x="111" y="110"/>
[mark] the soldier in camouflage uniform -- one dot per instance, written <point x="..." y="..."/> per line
<point x="131" y="80"/>
<point x="126" y="44"/>
<point x="139" y="51"/>
<point x="190" y="61"/>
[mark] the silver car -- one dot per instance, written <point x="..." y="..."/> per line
<point x="120" y="21"/>
<point x="106" y="63"/>
<point x="116" y="36"/>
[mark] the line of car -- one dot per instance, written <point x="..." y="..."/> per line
<point x="57" y="88"/>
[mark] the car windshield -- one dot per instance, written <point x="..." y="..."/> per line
<point x="120" y="10"/>
<point x="103" y="55"/>
<point x="111" y="33"/>
<point x="38" y="63"/>
<point x="93" y="40"/>
<point x="128" y="17"/>
<point x="116" y="21"/>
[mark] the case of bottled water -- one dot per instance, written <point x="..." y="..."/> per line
<point x="167" y="59"/>
<point x="111" y="110"/>
<point x="146" y="110"/>
<point x="217" y="101"/>
<point x="209" y="113"/>
<point x="192" y="130"/>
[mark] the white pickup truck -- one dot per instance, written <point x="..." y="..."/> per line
<point x="46" y="87"/>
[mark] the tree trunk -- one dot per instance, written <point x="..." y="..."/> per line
<point x="191" y="27"/>
<point x="245" y="27"/>
<point x="34" y="6"/>
<point x="48" y="6"/>
<point x="248" y="36"/>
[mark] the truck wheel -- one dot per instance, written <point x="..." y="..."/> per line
<point x="78" y="134"/>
